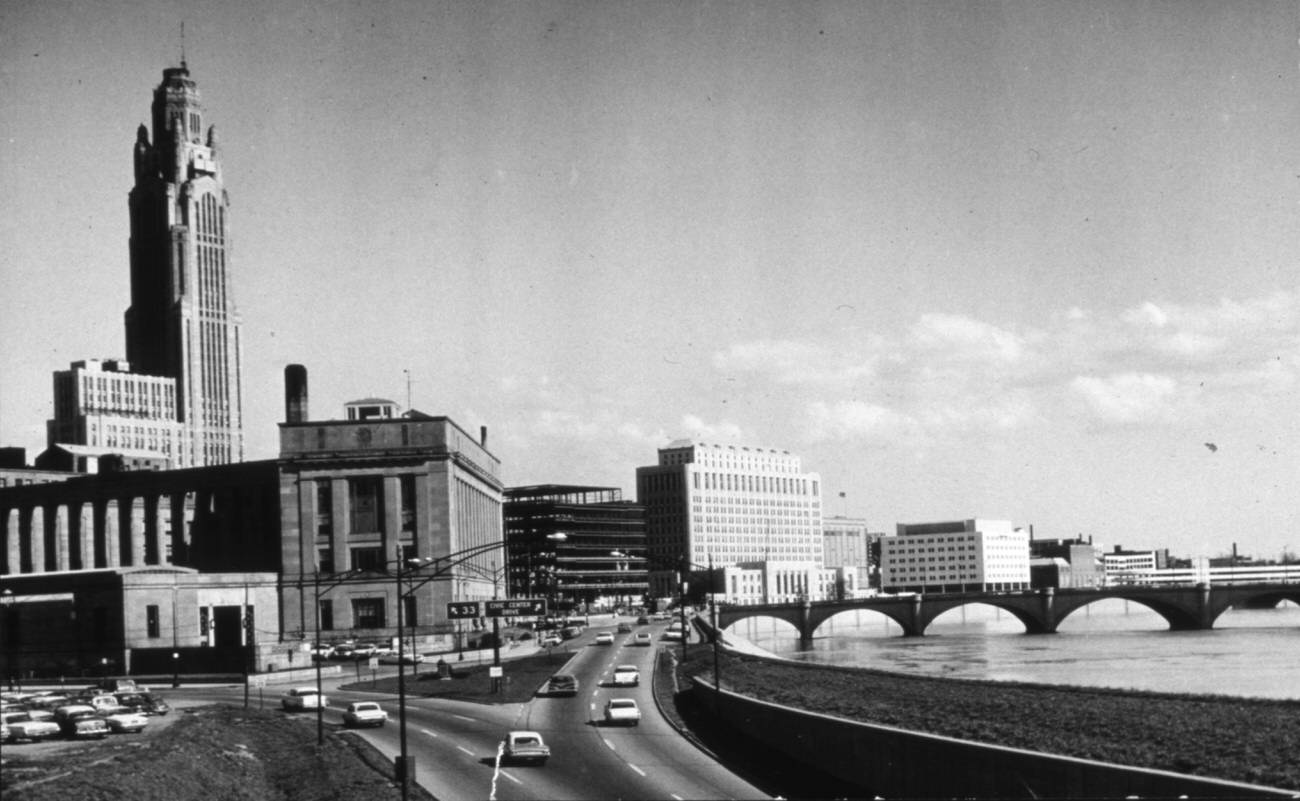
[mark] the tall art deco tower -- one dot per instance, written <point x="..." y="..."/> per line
<point x="182" y="323"/>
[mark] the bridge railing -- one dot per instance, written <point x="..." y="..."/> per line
<point x="1257" y="574"/>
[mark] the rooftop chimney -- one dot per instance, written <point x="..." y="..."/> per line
<point x="295" y="394"/>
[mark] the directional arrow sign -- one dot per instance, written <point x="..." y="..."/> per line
<point x="516" y="606"/>
<point x="462" y="610"/>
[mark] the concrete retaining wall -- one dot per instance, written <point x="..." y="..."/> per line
<point x="896" y="763"/>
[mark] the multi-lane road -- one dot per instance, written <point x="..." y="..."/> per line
<point x="455" y="743"/>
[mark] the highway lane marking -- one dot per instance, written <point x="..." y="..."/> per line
<point x="635" y="768"/>
<point x="466" y="750"/>
<point x="462" y="717"/>
<point x="512" y="778"/>
<point x="608" y="743"/>
<point x="431" y="734"/>
<point x="676" y="797"/>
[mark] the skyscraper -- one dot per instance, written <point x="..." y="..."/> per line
<point x="182" y="328"/>
<point x="182" y="323"/>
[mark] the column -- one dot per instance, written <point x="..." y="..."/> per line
<point x="85" y="518"/>
<point x="392" y="500"/>
<point x="341" y="522"/>
<point x="61" y="545"/>
<point x="182" y="506"/>
<point x="112" y="544"/>
<point x="423" y="532"/>
<point x="136" y="532"/>
<point x="159" y="516"/>
<point x="308" y="529"/>
<point x="13" y="543"/>
<point x="36" y="527"/>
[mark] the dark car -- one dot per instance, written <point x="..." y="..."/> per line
<point x="144" y="703"/>
<point x="563" y="684"/>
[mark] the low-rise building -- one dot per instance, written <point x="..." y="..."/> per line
<point x="957" y="556"/>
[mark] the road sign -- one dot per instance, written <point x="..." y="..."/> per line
<point x="462" y="610"/>
<point x="516" y="606"/>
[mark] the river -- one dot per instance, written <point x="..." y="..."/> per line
<point x="1111" y="643"/>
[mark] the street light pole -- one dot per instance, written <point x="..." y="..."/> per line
<point x="404" y="766"/>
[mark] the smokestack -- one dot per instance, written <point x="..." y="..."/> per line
<point x="295" y="394"/>
<point x="482" y="436"/>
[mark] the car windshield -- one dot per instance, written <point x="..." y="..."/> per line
<point x="622" y="704"/>
<point x="526" y="741"/>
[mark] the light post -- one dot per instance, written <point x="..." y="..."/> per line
<point x="404" y="762"/>
<point x="11" y="641"/>
<point x="176" y="669"/>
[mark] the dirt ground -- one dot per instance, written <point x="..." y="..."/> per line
<point x="201" y="753"/>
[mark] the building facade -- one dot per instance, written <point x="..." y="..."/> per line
<point x="958" y="556"/>
<point x="721" y="504"/>
<point x="179" y="394"/>
<point x="581" y="548"/>
<point x="316" y="535"/>
<point x="1065" y="563"/>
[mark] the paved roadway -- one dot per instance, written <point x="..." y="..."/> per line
<point x="455" y="743"/>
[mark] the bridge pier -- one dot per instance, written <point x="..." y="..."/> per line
<point x="805" y="625"/>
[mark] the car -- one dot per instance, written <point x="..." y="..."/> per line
<point x="551" y="640"/>
<point x="22" y="726"/>
<point x="642" y="638"/>
<point x="624" y="628"/>
<point x="562" y="684"/>
<point x="364" y="713"/>
<point x="643" y="621"/>
<point x="622" y="712"/>
<point x="319" y="653"/>
<point x="383" y="649"/>
<point x="364" y="651"/>
<point x="300" y="698"/>
<point x="605" y="638"/>
<point x="525" y="747"/>
<point x="673" y="634"/>
<point x="405" y="659"/>
<point x="626" y="676"/>
<point x="144" y="703"/>
<point x="81" y="722"/>
<point x="125" y="721"/>
<point x="342" y="651"/>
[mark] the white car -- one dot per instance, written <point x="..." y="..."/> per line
<point x="605" y="638"/>
<point x="626" y="676"/>
<point x="525" y="746"/>
<point x="364" y="713"/>
<point x="300" y="698"/>
<point x="642" y="638"/>
<point x="125" y="721"/>
<point x="22" y="726"/>
<point x="622" y="711"/>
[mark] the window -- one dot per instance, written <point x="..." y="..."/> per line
<point x="367" y="558"/>
<point x="326" y="614"/>
<point x="408" y="611"/>
<point x="325" y="560"/>
<point x="368" y="613"/>
<point x="324" y="508"/>
<point x="365" y="496"/>
<point x="407" y="485"/>
<point x="151" y="621"/>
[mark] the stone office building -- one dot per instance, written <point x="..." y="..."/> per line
<point x="250" y="560"/>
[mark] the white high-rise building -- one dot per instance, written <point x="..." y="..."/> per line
<point x="958" y="556"/>
<point x="722" y="504"/>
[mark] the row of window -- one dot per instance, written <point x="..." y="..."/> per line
<point x="365" y="505"/>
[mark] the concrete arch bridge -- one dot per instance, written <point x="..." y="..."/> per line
<point x="1186" y="607"/>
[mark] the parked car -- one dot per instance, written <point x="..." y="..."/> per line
<point x="642" y="638"/>
<point x="622" y="712"/>
<point x="125" y="721"/>
<point x="22" y="726"/>
<point x="319" y="653"/>
<point x="604" y="638"/>
<point x="300" y="698"/>
<point x="626" y="676"/>
<point x="551" y="640"/>
<point x="364" y="650"/>
<point x="406" y="659"/>
<point x="562" y="684"/>
<point x="364" y="713"/>
<point x="144" y="703"/>
<point x="81" y="722"/>
<point x="526" y="747"/>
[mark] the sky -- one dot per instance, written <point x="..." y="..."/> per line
<point x="1033" y="262"/>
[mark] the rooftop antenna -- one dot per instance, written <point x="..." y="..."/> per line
<point x="183" y="44"/>
<point x="408" y="389"/>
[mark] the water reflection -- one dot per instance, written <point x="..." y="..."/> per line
<point x="1111" y="643"/>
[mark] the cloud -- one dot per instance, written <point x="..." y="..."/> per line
<point x="857" y="420"/>
<point x="1128" y="397"/>
<point x="790" y="362"/>
<point x="695" y="428"/>
<point x="957" y="338"/>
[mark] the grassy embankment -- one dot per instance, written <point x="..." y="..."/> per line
<point x="1245" y="740"/>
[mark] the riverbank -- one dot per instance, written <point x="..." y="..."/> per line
<point x="1245" y="740"/>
